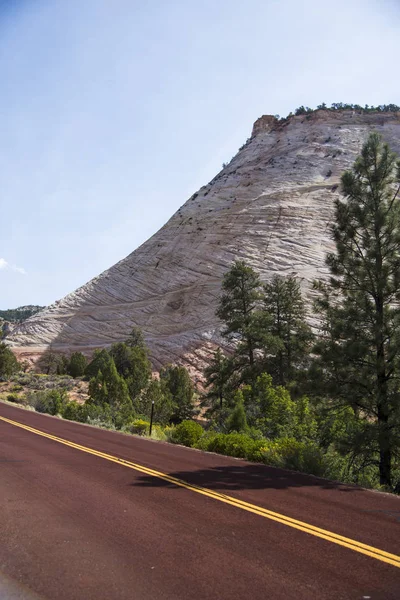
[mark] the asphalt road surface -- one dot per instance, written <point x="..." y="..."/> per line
<point x="90" y="514"/>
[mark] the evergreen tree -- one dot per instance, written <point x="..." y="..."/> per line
<point x="237" y="419"/>
<point x="49" y="361"/>
<point x="99" y="362"/>
<point x="270" y="408"/>
<point x="8" y="362"/>
<point x="77" y="364"/>
<point x="62" y="365"/>
<point x="108" y="387"/>
<point x="136" y="338"/>
<point x="217" y="376"/>
<point x="164" y="407"/>
<point x="177" y="382"/>
<point x="359" y="348"/>
<point x="239" y="310"/>
<point x="289" y="334"/>
<point x="133" y="364"/>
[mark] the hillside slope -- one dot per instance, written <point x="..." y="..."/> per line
<point x="271" y="205"/>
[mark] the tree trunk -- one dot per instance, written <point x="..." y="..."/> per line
<point x="385" y="453"/>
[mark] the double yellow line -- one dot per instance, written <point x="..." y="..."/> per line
<point x="381" y="555"/>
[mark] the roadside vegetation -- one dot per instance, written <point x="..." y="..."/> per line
<point x="323" y="401"/>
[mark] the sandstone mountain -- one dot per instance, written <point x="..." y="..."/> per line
<point x="271" y="205"/>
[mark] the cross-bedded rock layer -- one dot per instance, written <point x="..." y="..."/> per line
<point x="271" y="205"/>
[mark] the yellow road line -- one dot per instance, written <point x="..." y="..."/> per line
<point x="386" y="557"/>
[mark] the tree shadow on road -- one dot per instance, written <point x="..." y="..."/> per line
<point x="244" y="477"/>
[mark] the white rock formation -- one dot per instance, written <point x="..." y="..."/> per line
<point x="271" y="206"/>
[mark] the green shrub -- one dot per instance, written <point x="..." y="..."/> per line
<point x="187" y="433"/>
<point x="75" y="412"/>
<point x="158" y="433"/>
<point x="17" y="388"/>
<point x="139" y="427"/>
<point x="238" y="445"/>
<point x="51" y="402"/>
<point x="13" y="398"/>
<point x="289" y="453"/>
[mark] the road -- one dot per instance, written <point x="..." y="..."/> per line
<point x="92" y="514"/>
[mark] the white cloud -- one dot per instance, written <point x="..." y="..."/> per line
<point x="5" y="265"/>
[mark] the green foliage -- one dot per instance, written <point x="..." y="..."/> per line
<point x="164" y="407"/>
<point x="289" y="453"/>
<point x="17" y="315"/>
<point x="109" y="388"/>
<point x="133" y="365"/>
<point x="382" y="108"/>
<point x="238" y="445"/>
<point x="176" y="381"/>
<point x="77" y="365"/>
<point x="13" y="398"/>
<point x="139" y="427"/>
<point x="239" y="309"/>
<point x="51" y="362"/>
<point x="270" y="408"/>
<point x="51" y="402"/>
<point x="187" y="433"/>
<point x="289" y="335"/>
<point x="99" y="362"/>
<point x="237" y="419"/>
<point x="75" y="412"/>
<point x="136" y="338"/>
<point x="359" y="346"/>
<point x="217" y="376"/>
<point x="8" y="362"/>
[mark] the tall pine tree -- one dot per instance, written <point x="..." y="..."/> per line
<point x="288" y="329"/>
<point x="360" y="344"/>
<point x="239" y="309"/>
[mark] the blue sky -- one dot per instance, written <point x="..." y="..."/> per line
<point x="113" y="113"/>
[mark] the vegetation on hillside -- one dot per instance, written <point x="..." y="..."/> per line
<point x="17" y="315"/>
<point x="337" y="106"/>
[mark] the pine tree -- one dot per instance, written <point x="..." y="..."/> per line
<point x="177" y="382"/>
<point x="164" y="407"/>
<point x="8" y="362"/>
<point x="237" y="420"/>
<point x="133" y="365"/>
<point x="217" y="376"/>
<point x="359" y="348"/>
<point x="289" y="334"/>
<point x="239" y="309"/>
<point x="136" y="338"/>
<point x="77" y="364"/>
<point x="101" y="359"/>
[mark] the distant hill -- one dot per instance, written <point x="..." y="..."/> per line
<point x="17" y="315"/>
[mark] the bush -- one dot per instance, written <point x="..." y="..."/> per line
<point x="76" y="365"/>
<point x="51" y="402"/>
<point x="75" y="412"/>
<point x="238" y="445"/>
<point x="139" y="427"/>
<point x="187" y="433"/>
<point x="13" y="398"/>
<point x="17" y="388"/>
<point x="288" y="453"/>
<point x="158" y="433"/>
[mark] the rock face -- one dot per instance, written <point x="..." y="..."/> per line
<point x="271" y="205"/>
